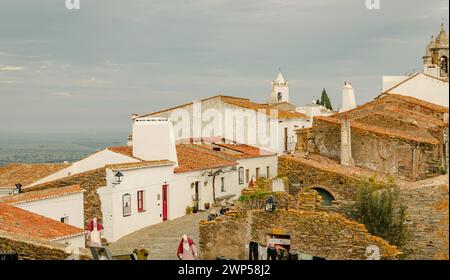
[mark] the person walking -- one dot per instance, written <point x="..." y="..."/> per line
<point x="186" y="249"/>
<point x="141" y="253"/>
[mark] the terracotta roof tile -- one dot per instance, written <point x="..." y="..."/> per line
<point x="282" y="114"/>
<point x="246" y="151"/>
<point x="388" y="98"/>
<point x="226" y="149"/>
<point x="27" y="173"/>
<point x="193" y="159"/>
<point x="123" y="150"/>
<point x="21" y="222"/>
<point x="40" y="195"/>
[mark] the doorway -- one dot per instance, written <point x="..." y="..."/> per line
<point x="164" y="201"/>
<point x="196" y="196"/>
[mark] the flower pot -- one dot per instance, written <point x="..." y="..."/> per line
<point x="207" y="205"/>
<point x="194" y="210"/>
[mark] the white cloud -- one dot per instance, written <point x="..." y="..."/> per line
<point x="10" y="68"/>
<point x="63" y="94"/>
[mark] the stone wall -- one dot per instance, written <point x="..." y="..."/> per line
<point x="90" y="181"/>
<point x="302" y="176"/>
<point x="428" y="222"/>
<point x="393" y="155"/>
<point x="326" y="235"/>
<point x="29" y="249"/>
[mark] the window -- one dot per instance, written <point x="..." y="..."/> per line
<point x="247" y="175"/>
<point x="140" y="201"/>
<point x="65" y="220"/>
<point x="268" y="172"/>
<point x="222" y="184"/>
<point x="241" y="175"/>
<point x="257" y="173"/>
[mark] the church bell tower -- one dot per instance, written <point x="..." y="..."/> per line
<point x="435" y="60"/>
<point x="280" y="90"/>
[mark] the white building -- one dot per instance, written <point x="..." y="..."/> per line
<point x="152" y="191"/>
<point x="17" y="221"/>
<point x="60" y="204"/>
<point x="269" y="126"/>
<point x="418" y="85"/>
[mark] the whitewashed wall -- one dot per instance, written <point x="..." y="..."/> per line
<point x="76" y="241"/>
<point x="70" y="206"/>
<point x="150" y="180"/>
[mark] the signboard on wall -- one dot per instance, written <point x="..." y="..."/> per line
<point x="126" y="204"/>
<point x="280" y="241"/>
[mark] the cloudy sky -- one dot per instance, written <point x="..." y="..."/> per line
<point x="87" y="70"/>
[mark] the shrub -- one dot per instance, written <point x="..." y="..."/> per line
<point x="380" y="210"/>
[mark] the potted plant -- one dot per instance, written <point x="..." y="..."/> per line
<point x="207" y="205"/>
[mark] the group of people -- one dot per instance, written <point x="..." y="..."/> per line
<point x="272" y="252"/>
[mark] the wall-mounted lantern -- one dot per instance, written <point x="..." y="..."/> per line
<point x="270" y="205"/>
<point x="18" y="189"/>
<point x="119" y="177"/>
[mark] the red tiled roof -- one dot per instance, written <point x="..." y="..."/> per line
<point x="123" y="150"/>
<point x="282" y="114"/>
<point x="246" y="151"/>
<point x="228" y="149"/>
<point x="385" y="98"/>
<point x="21" y="222"/>
<point x="27" y="173"/>
<point x="194" y="159"/>
<point x="40" y="195"/>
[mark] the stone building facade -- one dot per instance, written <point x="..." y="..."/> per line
<point x="312" y="232"/>
<point x="397" y="135"/>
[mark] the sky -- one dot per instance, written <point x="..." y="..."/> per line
<point x="88" y="70"/>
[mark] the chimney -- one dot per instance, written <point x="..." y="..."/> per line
<point x="348" y="97"/>
<point x="346" y="143"/>
<point x="153" y="139"/>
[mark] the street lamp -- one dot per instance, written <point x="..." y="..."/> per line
<point x="119" y="177"/>
<point x="270" y="204"/>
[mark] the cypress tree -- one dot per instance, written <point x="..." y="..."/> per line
<point x="325" y="101"/>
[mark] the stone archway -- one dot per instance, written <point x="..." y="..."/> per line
<point x="327" y="196"/>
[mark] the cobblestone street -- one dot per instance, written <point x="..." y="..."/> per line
<point x="162" y="239"/>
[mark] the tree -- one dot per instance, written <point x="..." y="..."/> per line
<point x="213" y="174"/>
<point x="325" y="101"/>
<point x="381" y="211"/>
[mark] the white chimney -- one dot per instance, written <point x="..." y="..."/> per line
<point x="153" y="139"/>
<point x="348" y="97"/>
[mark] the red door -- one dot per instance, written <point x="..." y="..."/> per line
<point x="164" y="201"/>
